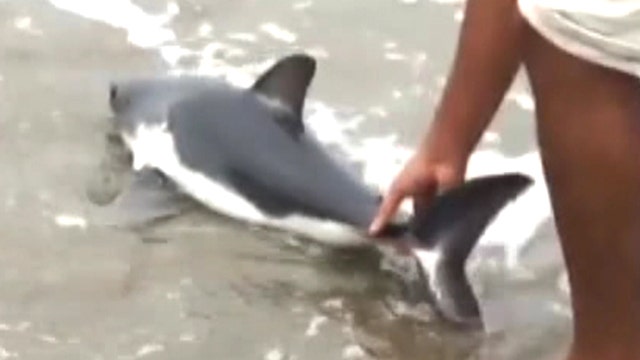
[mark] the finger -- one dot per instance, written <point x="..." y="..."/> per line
<point x="422" y="200"/>
<point x="449" y="181"/>
<point x="387" y="209"/>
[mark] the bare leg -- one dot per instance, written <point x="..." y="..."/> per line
<point x="589" y="135"/>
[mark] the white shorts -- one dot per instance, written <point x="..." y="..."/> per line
<point x="605" y="32"/>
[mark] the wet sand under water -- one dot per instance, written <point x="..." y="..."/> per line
<point x="204" y="287"/>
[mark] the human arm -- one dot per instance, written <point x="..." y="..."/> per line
<point x="488" y="55"/>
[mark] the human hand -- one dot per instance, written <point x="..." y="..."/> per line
<point x="422" y="178"/>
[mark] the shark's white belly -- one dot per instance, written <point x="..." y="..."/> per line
<point x="153" y="147"/>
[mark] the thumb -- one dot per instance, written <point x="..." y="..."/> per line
<point x="387" y="209"/>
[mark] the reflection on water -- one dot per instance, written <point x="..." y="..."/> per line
<point x="203" y="287"/>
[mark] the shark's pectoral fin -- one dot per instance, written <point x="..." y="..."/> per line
<point x="149" y="196"/>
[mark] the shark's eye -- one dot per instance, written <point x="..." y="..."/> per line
<point x="113" y="92"/>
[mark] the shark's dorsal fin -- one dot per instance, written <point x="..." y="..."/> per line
<point x="286" y="84"/>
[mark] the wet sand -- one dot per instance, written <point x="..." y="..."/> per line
<point x="204" y="287"/>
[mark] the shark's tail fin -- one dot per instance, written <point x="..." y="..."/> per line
<point x="447" y="231"/>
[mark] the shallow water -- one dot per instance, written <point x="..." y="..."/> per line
<point x="203" y="287"/>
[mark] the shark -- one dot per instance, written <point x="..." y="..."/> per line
<point x="246" y="153"/>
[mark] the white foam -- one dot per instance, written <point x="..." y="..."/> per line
<point x="25" y="24"/>
<point x="562" y="310"/>
<point x="458" y="15"/>
<point x="274" y="354"/>
<point x="314" y="325"/>
<point x="301" y="5"/>
<point x="333" y="304"/>
<point x="48" y="339"/>
<point x="563" y="283"/>
<point x="173" y="295"/>
<point x="22" y="326"/>
<point x="278" y="32"/>
<point x="448" y="2"/>
<point x="522" y="99"/>
<point x="22" y="23"/>
<point x="379" y="111"/>
<point x="205" y="29"/>
<point x="241" y="36"/>
<point x="394" y="56"/>
<point x="518" y="222"/>
<point x="143" y="29"/>
<point x="173" y="53"/>
<point x="6" y="354"/>
<point x="187" y="337"/>
<point x="70" y="221"/>
<point x="148" y="349"/>
<point x="491" y="137"/>
<point x="353" y="351"/>
<point x="318" y="52"/>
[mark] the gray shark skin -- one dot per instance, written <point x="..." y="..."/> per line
<point x="245" y="153"/>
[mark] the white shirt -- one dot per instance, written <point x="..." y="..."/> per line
<point x="606" y="32"/>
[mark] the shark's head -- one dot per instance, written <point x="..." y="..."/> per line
<point x="146" y="100"/>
